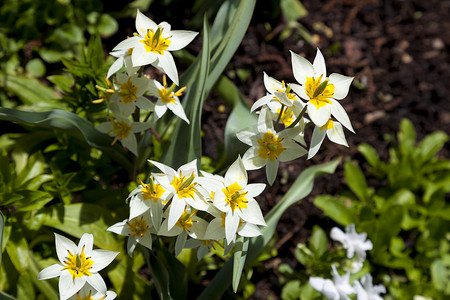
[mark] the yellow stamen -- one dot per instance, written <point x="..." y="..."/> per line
<point x="319" y="92"/>
<point x="154" y="42"/>
<point x="78" y="264"/>
<point x="270" y="146"/>
<point x="235" y="197"/>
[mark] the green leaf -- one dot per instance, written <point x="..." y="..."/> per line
<point x="4" y="296"/>
<point x="80" y="218"/>
<point x="406" y="137"/>
<point x="389" y="225"/>
<point x="300" y="188"/>
<point x="370" y="154"/>
<point x="2" y="228"/>
<point x="31" y="91"/>
<point x="334" y="209"/>
<point x="35" y="67"/>
<point x="356" y="181"/>
<point x="17" y="248"/>
<point x="293" y="10"/>
<point x="44" y="286"/>
<point x="71" y="124"/>
<point x="95" y="53"/>
<point x="186" y="144"/>
<point x="291" y="290"/>
<point x="25" y="288"/>
<point x="431" y="145"/>
<point x="439" y="275"/>
<point x="240" y="254"/>
<point x="318" y="241"/>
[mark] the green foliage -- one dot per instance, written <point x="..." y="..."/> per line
<point x="405" y="215"/>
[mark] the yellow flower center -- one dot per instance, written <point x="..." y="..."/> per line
<point x="328" y="125"/>
<point x="128" y="91"/>
<point x="287" y="117"/>
<point x="154" y="193"/>
<point x="154" y="42"/>
<point x="270" y="146"/>
<point x="235" y="197"/>
<point x="121" y="129"/>
<point x="185" y="221"/>
<point x="287" y="90"/>
<point x="184" y="186"/>
<point x="88" y="297"/>
<point x="319" y="92"/>
<point x="167" y="95"/>
<point x="78" y="264"/>
<point x="138" y="227"/>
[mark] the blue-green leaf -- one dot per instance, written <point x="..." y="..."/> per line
<point x="240" y="254"/>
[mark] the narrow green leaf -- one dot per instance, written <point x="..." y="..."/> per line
<point x="31" y="91"/>
<point x="300" y="188"/>
<point x="4" y="296"/>
<point x="160" y="276"/>
<point x="334" y="209"/>
<point x="431" y="145"/>
<point x="240" y="254"/>
<point x="71" y="124"/>
<point x="25" y="288"/>
<point x="439" y="275"/>
<point x="406" y="137"/>
<point x="44" y="286"/>
<point x="186" y="142"/>
<point x="356" y="181"/>
<point x="318" y="241"/>
<point x="2" y="228"/>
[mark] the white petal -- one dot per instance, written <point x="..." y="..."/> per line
<point x="86" y="241"/>
<point x="236" y="173"/>
<point x="138" y="206"/>
<point x="97" y="282"/>
<point x="319" y="116"/>
<point x="252" y="161"/>
<point x="272" y="170"/>
<point x="231" y="226"/>
<point x="262" y="101"/>
<point x="299" y="90"/>
<point x="139" y="126"/>
<point x="69" y="286"/>
<point x="140" y="56"/>
<point x="272" y="85"/>
<point x="115" y="67"/>
<point x="163" y="168"/>
<point x="341" y="85"/>
<point x="145" y="104"/>
<point x="130" y="143"/>
<point x="101" y="259"/>
<point x="252" y="214"/>
<point x="180" y="39"/>
<point x="336" y="134"/>
<point x="146" y="240"/>
<point x="302" y="68"/>
<point x="341" y="115"/>
<point x="120" y="228"/>
<point x="176" y="210"/>
<point x="143" y="23"/>
<point x="293" y="151"/>
<point x="126" y="44"/>
<point x="319" y="65"/>
<point x="316" y="141"/>
<point x="104" y="127"/>
<point x="246" y="137"/>
<point x="160" y="109"/>
<point x="255" y="189"/>
<point x="62" y="245"/>
<point x="178" y="110"/>
<point x="50" y="272"/>
<point x="167" y="64"/>
<point x="249" y="230"/>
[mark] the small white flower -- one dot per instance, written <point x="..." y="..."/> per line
<point x="184" y="187"/>
<point x="167" y="99"/>
<point x="152" y="45"/>
<point x="123" y="130"/>
<point x="78" y="265"/>
<point x="87" y="292"/>
<point x="333" y="130"/>
<point x="268" y="147"/>
<point x="137" y="229"/>
<point x="129" y="95"/>
<point x="321" y="92"/>
<point x="278" y="92"/>
<point x="151" y="196"/>
<point x="236" y="199"/>
<point x="365" y="290"/>
<point x="352" y="241"/>
<point x="336" y="289"/>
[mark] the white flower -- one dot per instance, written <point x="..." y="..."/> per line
<point x="236" y="199"/>
<point x="333" y="130"/>
<point x="365" y="290"/>
<point x="152" y="43"/>
<point x="123" y="58"/>
<point x="167" y="99"/>
<point x="123" y="130"/>
<point x="278" y="92"/>
<point x="352" y="241"/>
<point x="268" y="147"/>
<point x="87" y="292"/>
<point x="78" y="265"/>
<point x="184" y="188"/>
<point x="151" y="196"/>
<point x="321" y="92"/>
<point x="187" y="224"/>
<point x="137" y="229"/>
<point x="129" y="95"/>
<point x="335" y="289"/>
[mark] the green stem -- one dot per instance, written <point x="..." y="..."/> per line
<point x="300" y="116"/>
